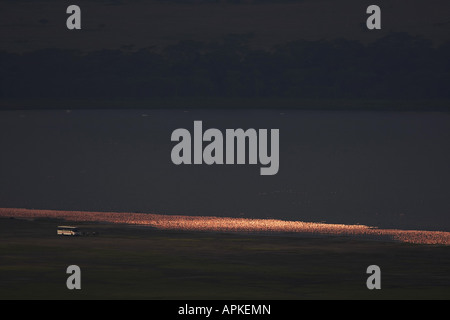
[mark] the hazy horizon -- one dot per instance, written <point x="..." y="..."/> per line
<point x="28" y="26"/>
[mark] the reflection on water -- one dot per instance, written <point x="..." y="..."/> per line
<point x="374" y="168"/>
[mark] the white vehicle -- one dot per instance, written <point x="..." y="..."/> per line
<point x="68" y="231"/>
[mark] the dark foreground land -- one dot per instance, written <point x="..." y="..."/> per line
<point x="124" y="262"/>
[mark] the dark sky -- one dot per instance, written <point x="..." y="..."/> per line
<point x="31" y="25"/>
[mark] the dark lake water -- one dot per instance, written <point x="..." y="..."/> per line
<point x="377" y="168"/>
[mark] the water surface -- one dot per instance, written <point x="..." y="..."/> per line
<point x="382" y="169"/>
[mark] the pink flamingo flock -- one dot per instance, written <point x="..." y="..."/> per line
<point x="227" y="224"/>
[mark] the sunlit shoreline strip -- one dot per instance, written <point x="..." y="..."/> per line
<point x="227" y="224"/>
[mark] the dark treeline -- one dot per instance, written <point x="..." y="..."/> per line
<point x="397" y="66"/>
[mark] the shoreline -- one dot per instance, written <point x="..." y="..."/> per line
<point x="235" y="225"/>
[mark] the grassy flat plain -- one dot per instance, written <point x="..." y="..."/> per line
<point x="124" y="262"/>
